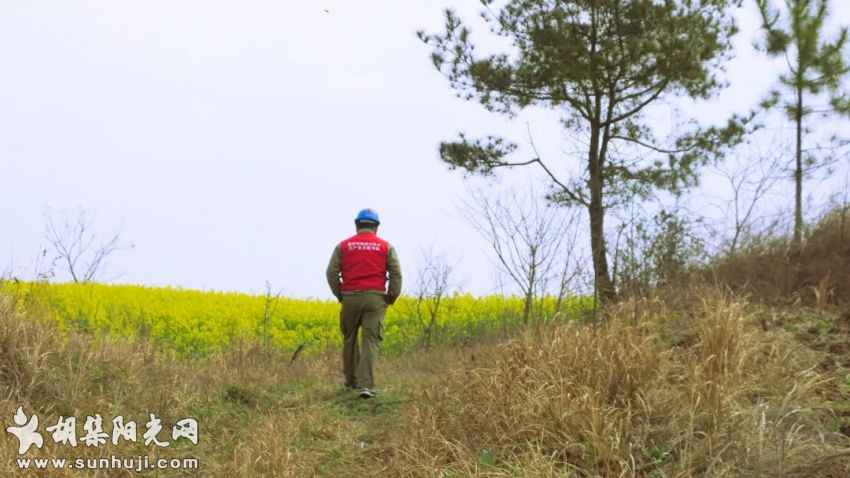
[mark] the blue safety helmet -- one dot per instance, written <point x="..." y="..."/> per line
<point x="367" y="215"/>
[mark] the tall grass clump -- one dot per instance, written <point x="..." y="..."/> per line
<point x="652" y="391"/>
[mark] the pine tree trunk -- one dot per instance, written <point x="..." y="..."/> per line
<point x="596" y="210"/>
<point x="604" y="287"/>
<point x="798" y="177"/>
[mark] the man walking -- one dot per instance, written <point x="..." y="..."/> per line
<point x="357" y="275"/>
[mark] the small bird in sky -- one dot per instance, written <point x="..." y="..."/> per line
<point x="326" y="11"/>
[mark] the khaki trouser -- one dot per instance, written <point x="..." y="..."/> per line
<point x="362" y="312"/>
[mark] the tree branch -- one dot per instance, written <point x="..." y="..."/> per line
<point x="649" y="146"/>
<point x="637" y="109"/>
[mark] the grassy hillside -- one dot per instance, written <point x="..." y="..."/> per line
<point x="711" y="387"/>
<point x="767" y="268"/>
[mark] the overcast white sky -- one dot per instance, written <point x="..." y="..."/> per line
<point x="235" y="141"/>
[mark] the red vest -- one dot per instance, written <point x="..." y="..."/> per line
<point x="364" y="263"/>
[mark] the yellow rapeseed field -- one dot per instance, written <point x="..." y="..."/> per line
<point x="197" y="323"/>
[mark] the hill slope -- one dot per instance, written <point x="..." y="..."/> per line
<point x="697" y="390"/>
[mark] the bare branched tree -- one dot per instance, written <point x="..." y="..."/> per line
<point x="571" y="260"/>
<point x="432" y="286"/>
<point x="74" y="246"/>
<point x="271" y="298"/>
<point x="526" y="234"/>
<point x="749" y="181"/>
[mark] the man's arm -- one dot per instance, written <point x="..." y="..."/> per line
<point x="394" y="270"/>
<point x="332" y="274"/>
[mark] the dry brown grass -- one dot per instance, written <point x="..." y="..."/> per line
<point x="621" y="400"/>
<point x="256" y="413"/>
<point x="683" y="385"/>
<point x="768" y="270"/>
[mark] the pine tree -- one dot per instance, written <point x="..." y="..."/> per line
<point x="602" y="63"/>
<point x="815" y="66"/>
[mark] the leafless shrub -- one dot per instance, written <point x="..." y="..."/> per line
<point x="569" y="266"/>
<point x="432" y="286"/>
<point x="749" y="181"/>
<point x="75" y="247"/>
<point x="271" y="298"/>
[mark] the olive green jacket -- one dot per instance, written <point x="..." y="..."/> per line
<point x="393" y="270"/>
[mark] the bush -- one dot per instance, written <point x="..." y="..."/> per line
<point x="656" y="253"/>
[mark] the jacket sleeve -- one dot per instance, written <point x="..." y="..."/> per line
<point x="332" y="274"/>
<point x="394" y="271"/>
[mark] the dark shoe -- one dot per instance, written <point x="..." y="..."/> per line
<point x="366" y="393"/>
